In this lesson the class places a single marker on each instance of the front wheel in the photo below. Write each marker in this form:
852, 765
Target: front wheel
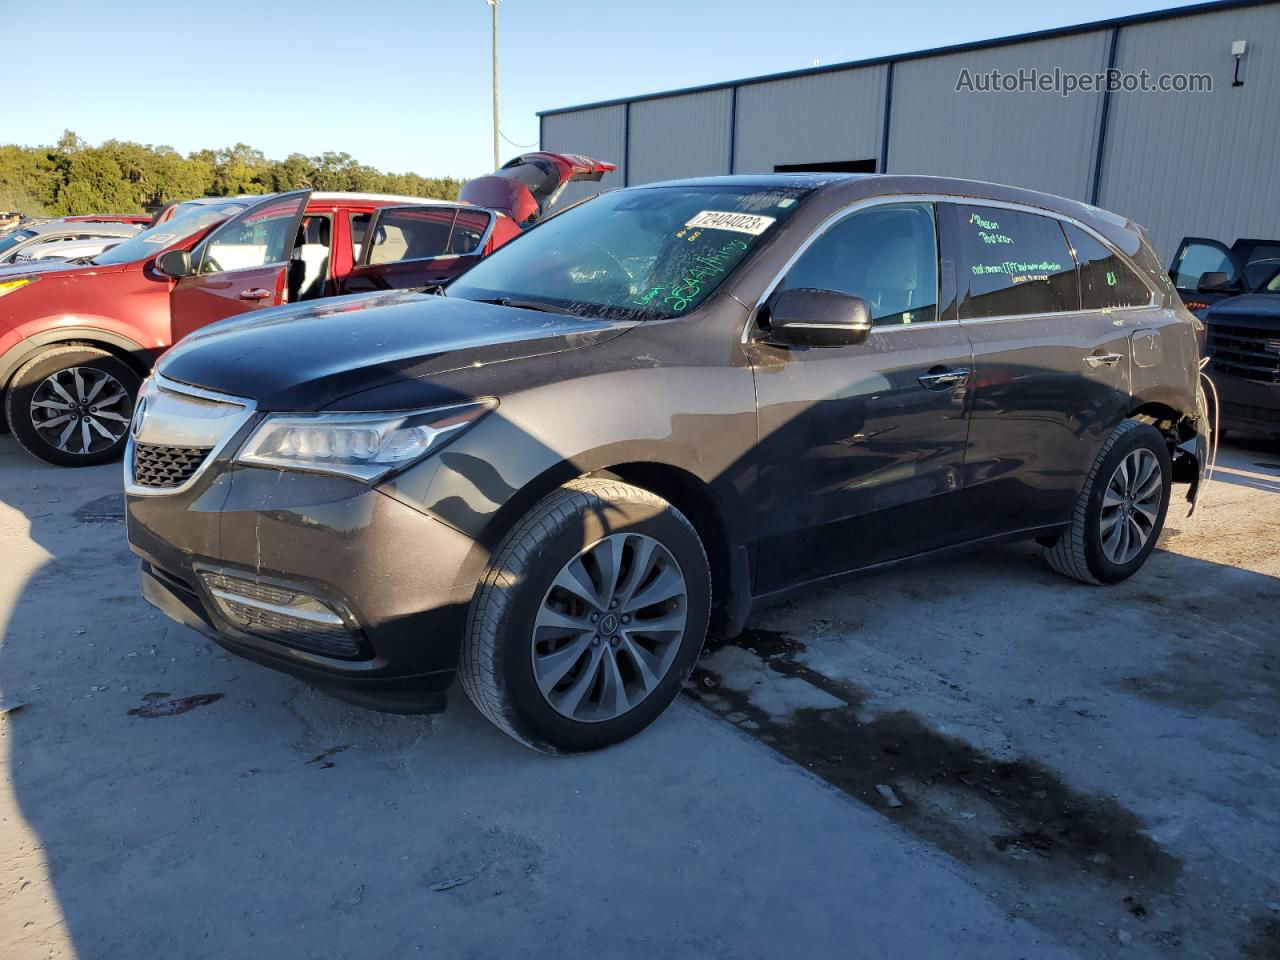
71, 406
1120, 512
590, 618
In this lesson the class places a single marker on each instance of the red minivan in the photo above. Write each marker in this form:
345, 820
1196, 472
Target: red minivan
77, 338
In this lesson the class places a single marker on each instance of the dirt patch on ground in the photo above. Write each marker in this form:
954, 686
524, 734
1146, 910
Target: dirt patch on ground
1016, 815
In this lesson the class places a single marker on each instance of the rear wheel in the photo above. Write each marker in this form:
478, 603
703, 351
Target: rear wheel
1121, 510
71, 406
590, 618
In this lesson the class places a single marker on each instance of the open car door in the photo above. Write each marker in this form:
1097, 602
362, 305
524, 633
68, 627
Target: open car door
527, 187
242, 265
417, 245
1204, 271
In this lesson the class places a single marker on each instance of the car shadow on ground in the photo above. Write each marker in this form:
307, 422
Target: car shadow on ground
246, 814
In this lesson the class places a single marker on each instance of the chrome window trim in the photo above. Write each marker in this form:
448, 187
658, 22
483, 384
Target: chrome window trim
173, 386
1103, 311
870, 202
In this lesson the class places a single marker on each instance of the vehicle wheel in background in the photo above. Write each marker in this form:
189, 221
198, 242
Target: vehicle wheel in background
1121, 510
71, 406
591, 616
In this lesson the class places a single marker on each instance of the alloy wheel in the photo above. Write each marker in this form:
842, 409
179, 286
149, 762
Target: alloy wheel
1131, 506
609, 627
81, 410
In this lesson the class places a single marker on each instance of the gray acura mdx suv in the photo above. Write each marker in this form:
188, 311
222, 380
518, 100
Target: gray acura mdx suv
649, 413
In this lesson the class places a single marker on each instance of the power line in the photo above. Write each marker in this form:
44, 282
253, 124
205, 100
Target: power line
522, 146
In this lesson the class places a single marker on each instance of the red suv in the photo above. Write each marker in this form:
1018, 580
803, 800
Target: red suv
77, 338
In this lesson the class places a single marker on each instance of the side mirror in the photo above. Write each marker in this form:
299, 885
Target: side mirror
818, 318
175, 263
1215, 281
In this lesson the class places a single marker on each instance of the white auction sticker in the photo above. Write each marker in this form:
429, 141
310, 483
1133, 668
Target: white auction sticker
160, 238
728, 220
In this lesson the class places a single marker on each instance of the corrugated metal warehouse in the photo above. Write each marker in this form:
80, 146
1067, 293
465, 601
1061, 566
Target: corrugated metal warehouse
1181, 163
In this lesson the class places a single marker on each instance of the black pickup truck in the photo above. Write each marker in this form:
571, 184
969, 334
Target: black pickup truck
1236, 291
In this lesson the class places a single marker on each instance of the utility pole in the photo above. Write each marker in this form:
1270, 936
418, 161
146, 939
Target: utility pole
497, 161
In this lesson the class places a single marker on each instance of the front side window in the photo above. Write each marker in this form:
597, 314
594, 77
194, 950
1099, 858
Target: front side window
646, 253
359, 227
195, 219
886, 255
1012, 264
263, 234
1106, 281
1198, 258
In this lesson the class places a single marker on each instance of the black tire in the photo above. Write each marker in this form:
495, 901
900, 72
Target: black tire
28, 381
497, 669
1079, 553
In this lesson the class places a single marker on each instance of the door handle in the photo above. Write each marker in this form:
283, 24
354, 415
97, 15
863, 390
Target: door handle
940, 377
1103, 359
255, 294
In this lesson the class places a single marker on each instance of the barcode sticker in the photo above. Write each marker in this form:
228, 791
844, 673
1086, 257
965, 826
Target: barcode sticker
728, 220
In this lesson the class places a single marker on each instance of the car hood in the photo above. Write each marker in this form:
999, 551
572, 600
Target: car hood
11, 271
310, 356
1258, 306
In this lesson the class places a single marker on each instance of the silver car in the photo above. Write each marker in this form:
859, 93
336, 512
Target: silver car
60, 238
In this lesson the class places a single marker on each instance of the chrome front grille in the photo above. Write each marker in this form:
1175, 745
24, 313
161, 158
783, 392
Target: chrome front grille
160, 467
1252, 353
177, 431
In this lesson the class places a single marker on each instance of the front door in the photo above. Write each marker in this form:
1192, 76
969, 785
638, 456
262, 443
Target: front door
862, 446
1200, 260
417, 246
1052, 380
241, 266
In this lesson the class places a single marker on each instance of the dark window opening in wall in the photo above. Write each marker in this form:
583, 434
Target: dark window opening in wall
831, 166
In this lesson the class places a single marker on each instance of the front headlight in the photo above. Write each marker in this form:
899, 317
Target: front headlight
366, 446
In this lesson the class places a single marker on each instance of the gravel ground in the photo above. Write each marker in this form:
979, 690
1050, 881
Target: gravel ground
973, 758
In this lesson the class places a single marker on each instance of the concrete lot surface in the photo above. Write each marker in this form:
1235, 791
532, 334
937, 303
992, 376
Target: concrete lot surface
971, 758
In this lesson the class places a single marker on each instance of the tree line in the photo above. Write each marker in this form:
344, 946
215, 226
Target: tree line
73, 177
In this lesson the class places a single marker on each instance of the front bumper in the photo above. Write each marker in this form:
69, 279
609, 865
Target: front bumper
1247, 404
397, 581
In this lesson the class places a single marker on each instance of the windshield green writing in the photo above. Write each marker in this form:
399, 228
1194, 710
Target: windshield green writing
685, 290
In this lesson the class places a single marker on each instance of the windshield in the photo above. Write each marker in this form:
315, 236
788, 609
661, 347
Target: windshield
633, 254
11, 240
186, 223
1266, 273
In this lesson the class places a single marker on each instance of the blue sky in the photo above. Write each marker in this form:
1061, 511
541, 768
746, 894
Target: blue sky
404, 84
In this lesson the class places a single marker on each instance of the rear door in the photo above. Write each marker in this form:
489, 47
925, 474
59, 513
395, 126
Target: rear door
243, 265
416, 246
1051, 379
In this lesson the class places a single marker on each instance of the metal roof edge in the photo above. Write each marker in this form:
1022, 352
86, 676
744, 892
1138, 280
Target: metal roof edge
1170, 13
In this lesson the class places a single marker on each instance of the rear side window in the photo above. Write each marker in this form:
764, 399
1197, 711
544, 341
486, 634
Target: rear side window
887, 255
1106, 281
468, 231
1012, 264
424, 232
